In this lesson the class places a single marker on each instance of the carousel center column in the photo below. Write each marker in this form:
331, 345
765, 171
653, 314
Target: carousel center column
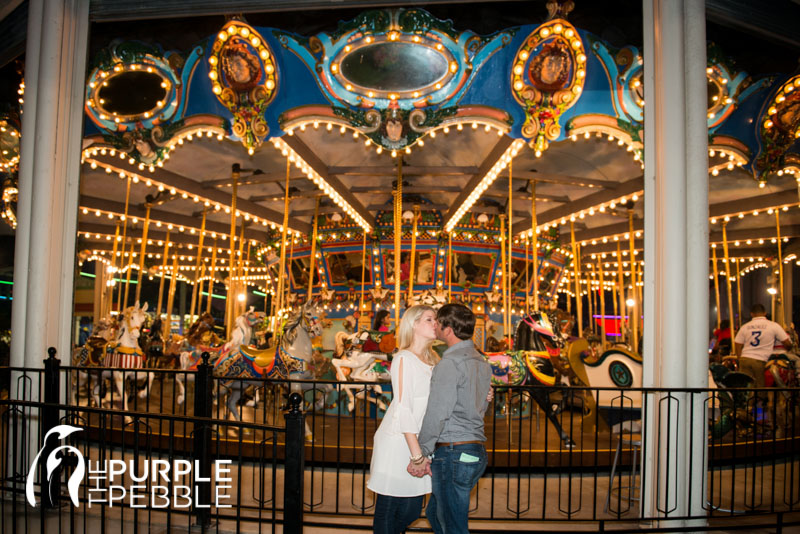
676, 258
44, 263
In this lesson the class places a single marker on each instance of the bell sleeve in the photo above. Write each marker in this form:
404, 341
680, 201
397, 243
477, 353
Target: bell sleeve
403, 387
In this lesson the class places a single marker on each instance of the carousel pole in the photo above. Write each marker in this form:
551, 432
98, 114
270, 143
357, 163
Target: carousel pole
288, 283
509, 242
163, 274
363, 271
196, 290
398, 232
114, 269
173, 284
527, 276
231, 296
213, 276
602, 303
413, 253
634, 290
780, 314
738, 294
128, 276
621, 290
534, 247
313, 258
576, 264
124, 222
238, 306
590, 294
142, 251
503, 291
449, 266
727, 274
715, 274
284, 228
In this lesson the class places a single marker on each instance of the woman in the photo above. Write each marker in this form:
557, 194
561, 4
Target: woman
381, 323
399, 495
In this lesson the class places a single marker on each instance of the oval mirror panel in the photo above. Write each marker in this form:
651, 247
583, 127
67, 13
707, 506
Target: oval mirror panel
131, 93
394, 66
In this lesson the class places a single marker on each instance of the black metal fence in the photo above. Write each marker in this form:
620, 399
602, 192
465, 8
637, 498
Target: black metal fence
624, 458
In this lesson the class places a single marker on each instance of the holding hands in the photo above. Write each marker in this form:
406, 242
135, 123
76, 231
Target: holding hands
419, 468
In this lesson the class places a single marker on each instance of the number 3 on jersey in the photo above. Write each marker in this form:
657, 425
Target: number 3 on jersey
757, 339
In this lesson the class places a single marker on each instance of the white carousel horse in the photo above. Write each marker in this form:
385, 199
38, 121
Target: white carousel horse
242, 334
125, 352
92, 355
361, 365
289, 359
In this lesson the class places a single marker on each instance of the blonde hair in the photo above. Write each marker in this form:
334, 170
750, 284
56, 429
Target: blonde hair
405, 333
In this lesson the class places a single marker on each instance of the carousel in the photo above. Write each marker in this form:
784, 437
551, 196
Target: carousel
278, 200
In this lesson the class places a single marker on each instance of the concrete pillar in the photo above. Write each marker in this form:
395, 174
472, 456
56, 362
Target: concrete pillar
44, 264
676, 256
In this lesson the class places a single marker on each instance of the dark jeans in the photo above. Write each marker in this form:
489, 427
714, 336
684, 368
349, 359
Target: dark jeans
456, 470
394, 514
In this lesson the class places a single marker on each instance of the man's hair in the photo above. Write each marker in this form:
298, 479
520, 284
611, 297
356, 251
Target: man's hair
758, 309
459, 318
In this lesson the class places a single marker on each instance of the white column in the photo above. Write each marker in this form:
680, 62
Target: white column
44, 265
676, 254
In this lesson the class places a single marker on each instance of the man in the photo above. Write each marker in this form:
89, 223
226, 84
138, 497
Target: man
755, 341
452, 430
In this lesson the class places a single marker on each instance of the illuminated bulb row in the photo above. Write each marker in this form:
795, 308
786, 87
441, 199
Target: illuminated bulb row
755, 213
320, 182
485, 182
599, 132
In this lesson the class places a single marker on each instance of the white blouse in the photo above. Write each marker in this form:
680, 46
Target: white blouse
411, 382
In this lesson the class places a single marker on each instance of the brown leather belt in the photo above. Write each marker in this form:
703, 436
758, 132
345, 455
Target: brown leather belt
454, 443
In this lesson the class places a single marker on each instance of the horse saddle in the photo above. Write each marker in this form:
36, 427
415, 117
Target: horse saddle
260, 357
540, 367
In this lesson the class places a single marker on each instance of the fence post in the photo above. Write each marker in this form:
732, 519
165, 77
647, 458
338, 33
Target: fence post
202, 441
52, 489
294, 466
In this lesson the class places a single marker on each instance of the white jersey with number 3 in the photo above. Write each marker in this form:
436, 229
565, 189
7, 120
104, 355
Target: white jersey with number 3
758, 338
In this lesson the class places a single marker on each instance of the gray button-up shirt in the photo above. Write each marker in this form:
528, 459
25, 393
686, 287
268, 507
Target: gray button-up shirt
459, 386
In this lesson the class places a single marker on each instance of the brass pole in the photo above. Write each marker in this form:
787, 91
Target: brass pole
509, 256
781, 306
128, 276
363, 271
412, 261
142, 252
196, 290
715, 274
728, 275
634, 291
398, 232
213, 275
171, 294
527, 277
313, 258
590, 291
238, 307
282, 262
163, 274
231, 295
124, 240
602, 303
576, 264
535, 247
114, 266
503, 275
738, 294
621, 290
288, 284
449, 267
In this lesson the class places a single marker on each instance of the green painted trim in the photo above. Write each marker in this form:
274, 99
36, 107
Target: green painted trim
203, 293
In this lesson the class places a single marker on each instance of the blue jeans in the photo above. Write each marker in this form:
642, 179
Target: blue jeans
456, 470
394, 514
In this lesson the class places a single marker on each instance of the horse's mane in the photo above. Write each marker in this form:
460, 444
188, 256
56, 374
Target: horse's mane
290, 330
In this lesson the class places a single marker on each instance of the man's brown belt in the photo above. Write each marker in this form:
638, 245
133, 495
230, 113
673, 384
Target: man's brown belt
454, 443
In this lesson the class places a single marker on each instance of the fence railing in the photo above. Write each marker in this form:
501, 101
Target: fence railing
621, 455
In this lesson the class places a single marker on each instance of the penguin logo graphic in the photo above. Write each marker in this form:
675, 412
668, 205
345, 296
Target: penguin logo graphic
74, 482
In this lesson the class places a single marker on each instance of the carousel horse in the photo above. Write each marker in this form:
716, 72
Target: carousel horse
160, 353
125, 352
92, 354
357, 354
202, 332
532, 364
249, 366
